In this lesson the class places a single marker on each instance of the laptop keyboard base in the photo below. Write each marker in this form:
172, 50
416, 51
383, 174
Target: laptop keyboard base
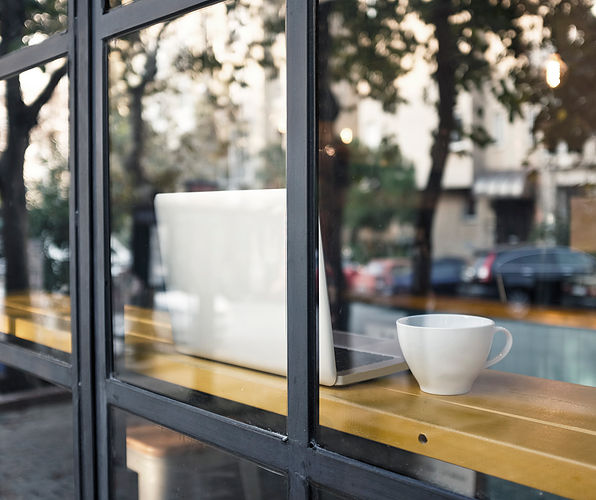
346, 359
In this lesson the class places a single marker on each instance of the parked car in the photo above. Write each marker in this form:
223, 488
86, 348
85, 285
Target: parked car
376, 276
445, 276
351, 271
528, 274
580, 291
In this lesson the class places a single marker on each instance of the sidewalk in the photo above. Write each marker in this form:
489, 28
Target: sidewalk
36, 451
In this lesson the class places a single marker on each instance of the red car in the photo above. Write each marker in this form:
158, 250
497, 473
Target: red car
377, 276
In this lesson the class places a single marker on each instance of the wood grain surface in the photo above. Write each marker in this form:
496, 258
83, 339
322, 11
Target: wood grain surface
537, 432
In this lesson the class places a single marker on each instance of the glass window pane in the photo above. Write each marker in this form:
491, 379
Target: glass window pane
30, 22
34, 201
36, 436
149, 461
455, 178
196, 124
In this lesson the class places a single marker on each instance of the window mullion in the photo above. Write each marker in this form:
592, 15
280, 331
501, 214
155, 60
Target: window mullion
301, 237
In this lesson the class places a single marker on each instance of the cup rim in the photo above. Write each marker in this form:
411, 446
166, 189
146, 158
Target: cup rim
483, 323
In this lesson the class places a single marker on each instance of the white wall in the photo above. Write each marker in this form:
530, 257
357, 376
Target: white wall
455, 233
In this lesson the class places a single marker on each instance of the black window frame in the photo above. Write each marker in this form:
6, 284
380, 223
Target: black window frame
88, 375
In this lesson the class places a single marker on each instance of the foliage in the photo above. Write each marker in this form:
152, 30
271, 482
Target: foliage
379, 42
568, 112
155, 68
40, 18
273, 172
48, 222
380, 193
557, 233
495, 46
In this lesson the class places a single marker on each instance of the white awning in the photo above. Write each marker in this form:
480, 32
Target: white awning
504, 184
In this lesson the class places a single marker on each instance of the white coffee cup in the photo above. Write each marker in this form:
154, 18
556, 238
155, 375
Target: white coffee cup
446, 352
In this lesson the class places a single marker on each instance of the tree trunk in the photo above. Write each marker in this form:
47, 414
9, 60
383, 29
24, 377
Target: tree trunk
427, 204
134, 164
333, 182
12, 191
15, 226
142, 211
333, 176
137, 139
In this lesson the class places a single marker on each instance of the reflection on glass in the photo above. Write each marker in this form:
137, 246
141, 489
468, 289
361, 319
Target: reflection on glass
152, 462
320, 493
197, 123
455, 176
117, 3
36, 432
34, 194
29, 23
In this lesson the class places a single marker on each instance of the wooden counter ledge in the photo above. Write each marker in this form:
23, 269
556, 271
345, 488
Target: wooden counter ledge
537, 432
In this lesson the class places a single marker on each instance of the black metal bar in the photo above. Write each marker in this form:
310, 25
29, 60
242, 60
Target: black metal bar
302, 238
28, 57
253, 443
101, 238
137, 15
76, 354
39, 364
363, 481
81, 252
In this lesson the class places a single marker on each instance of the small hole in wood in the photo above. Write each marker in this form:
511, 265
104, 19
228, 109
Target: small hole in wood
422, 438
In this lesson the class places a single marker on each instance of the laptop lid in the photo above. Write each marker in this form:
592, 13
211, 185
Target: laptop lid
224, 254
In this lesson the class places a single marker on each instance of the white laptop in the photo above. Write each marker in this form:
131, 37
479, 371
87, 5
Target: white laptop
224, 256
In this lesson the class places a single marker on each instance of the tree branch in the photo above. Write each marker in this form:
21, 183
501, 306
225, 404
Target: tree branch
46, 93
151, 62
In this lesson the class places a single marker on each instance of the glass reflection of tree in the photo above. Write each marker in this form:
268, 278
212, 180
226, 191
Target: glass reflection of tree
48, 218
378, 195
486, 46
568, 112
156, 76
273, 172
20, 21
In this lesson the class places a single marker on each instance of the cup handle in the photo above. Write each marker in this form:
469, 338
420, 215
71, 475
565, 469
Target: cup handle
505, 349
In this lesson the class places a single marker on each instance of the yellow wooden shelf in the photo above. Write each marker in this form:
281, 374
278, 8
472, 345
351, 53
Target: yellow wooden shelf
536, 432
43, 319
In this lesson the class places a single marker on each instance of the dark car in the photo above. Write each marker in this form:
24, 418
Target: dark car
445, 276
529, 274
